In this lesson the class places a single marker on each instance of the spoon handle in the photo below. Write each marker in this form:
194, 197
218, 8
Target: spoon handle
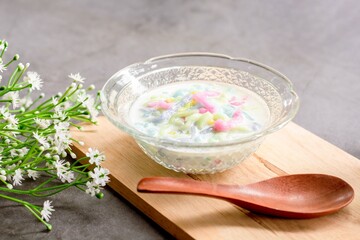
176, 185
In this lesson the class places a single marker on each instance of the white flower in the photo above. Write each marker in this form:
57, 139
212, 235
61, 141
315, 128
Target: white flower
9, 168
11, 119
46, 211
69, 176
17, 178
90, 105
14, 97
19, 152
3, 175
60, 115
63, 171
62, 138
54, 101
4, 111
12, 122
82, 97
42, 140
33, 174
2, 47
61, 126
12, 127
34, 79
26, 101
2, 67
42, 123
59, 108
100, 176
92, 188
60, 112
95, 156
13, 153
23, 151
49, 164
76, 77
67, 105
57, 144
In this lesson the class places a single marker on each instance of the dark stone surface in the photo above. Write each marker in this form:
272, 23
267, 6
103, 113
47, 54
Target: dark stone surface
315, 43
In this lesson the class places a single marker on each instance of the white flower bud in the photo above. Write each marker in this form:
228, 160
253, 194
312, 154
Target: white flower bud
27, 65
91, 87
21, 66
59, 94
56, 157
37, 112
73, 85
7, 141
73, 155
9, 186
42, 95
2, 172
3, 178
81, 143
63, 154
80, 86
47, 155
41, 148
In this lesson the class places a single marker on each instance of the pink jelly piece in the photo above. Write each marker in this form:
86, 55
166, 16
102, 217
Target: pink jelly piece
159, 105
235, 102
221, 126
202, 98
203, 110
238, 116
224, 126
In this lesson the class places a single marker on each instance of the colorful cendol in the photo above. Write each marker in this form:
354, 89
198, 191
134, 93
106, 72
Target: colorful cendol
199, 112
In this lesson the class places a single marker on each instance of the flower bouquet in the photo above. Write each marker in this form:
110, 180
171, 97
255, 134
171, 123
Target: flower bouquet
35, 138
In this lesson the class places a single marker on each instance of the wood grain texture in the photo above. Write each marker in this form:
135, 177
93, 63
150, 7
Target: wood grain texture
288, 151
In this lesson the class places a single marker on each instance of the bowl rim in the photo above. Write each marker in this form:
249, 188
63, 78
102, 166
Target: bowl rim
138, 135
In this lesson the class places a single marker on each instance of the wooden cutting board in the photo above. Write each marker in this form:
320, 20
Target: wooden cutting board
288, 151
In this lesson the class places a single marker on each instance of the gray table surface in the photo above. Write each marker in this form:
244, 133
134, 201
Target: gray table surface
315, 43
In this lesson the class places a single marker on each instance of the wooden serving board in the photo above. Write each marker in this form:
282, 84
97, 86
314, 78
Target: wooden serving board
288, 151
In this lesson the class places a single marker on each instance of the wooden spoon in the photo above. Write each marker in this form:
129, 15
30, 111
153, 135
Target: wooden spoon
290, 196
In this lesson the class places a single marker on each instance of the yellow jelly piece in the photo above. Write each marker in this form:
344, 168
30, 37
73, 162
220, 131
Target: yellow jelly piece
211, 122
219, 116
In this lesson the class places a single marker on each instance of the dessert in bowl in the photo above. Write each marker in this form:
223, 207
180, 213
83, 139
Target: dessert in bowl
199, 112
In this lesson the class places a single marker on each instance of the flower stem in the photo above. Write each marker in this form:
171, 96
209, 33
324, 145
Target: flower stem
48, 226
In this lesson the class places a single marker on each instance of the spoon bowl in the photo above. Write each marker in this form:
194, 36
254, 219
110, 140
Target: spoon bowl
289, 196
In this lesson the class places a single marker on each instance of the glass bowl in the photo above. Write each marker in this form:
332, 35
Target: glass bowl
125, 86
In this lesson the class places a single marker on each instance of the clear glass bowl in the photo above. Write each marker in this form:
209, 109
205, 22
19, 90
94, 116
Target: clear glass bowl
123, 88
